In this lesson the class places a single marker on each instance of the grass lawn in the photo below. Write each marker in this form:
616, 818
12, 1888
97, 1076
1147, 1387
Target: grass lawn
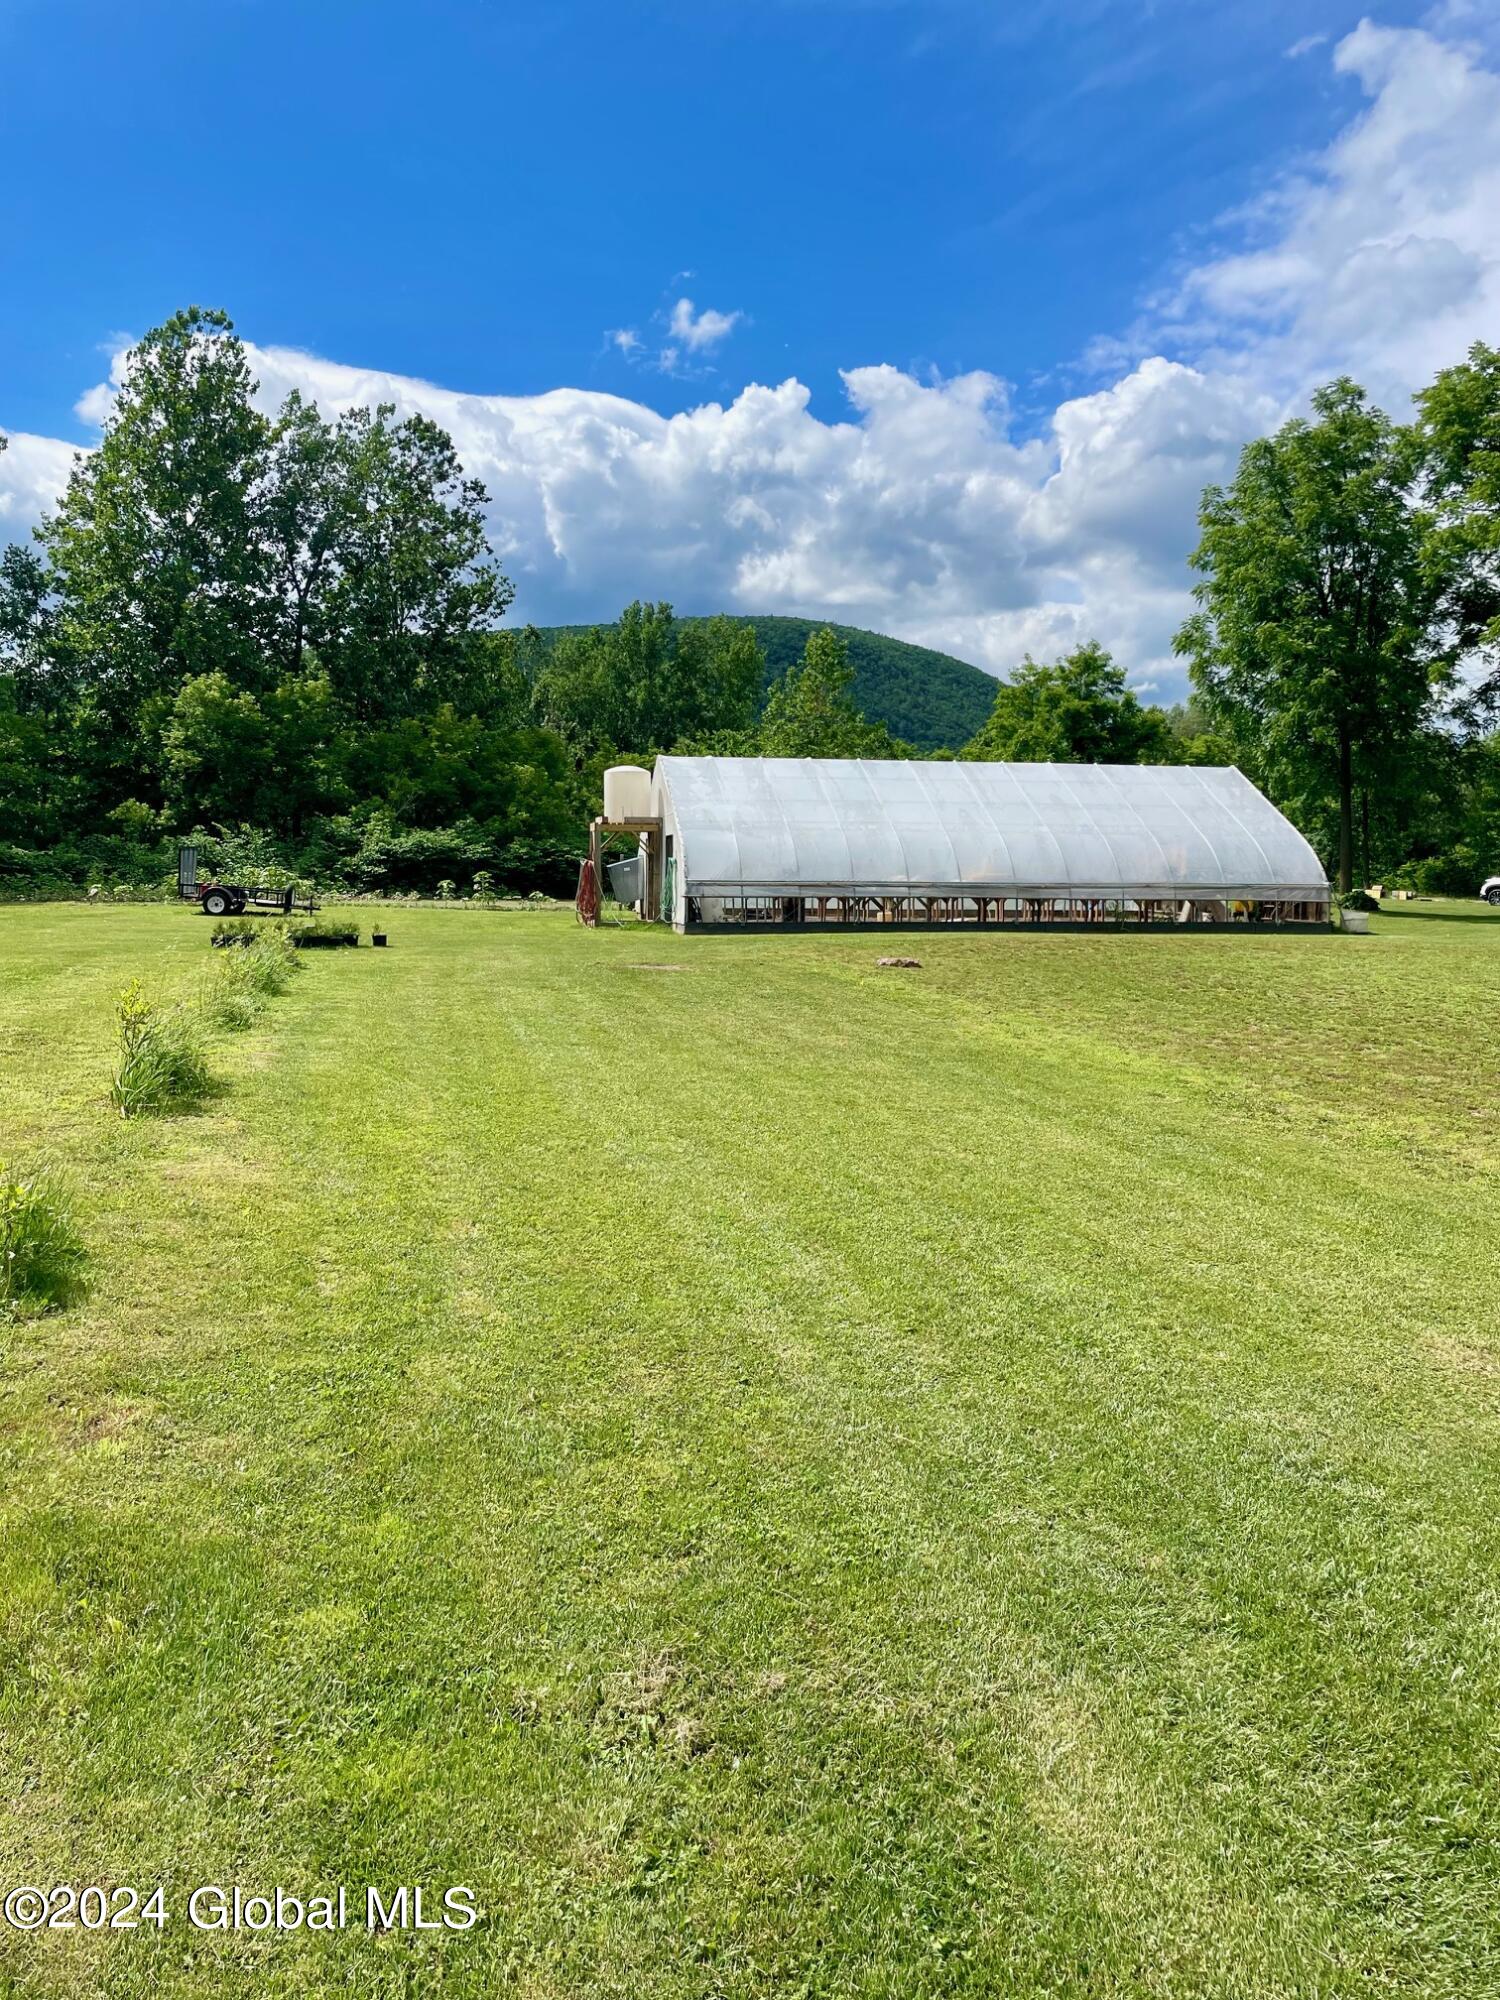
785, 1478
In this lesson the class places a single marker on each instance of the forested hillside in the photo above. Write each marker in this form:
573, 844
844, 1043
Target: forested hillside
928, 699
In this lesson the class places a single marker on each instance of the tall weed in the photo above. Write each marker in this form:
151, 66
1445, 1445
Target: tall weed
263, 952
41, 1252
229, 994
162, 1063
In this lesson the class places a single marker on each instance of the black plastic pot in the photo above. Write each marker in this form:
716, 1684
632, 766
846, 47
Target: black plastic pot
377, 937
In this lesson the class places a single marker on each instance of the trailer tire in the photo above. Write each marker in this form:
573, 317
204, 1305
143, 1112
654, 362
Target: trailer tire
217, 903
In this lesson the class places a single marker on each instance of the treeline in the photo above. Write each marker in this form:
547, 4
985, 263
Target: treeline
282, 635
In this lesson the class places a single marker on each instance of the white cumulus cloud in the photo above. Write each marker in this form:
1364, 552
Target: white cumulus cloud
33, 471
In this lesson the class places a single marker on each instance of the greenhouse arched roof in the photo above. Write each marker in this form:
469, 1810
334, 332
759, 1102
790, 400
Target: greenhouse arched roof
815, 825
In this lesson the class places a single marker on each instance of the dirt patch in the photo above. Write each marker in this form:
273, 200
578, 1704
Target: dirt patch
114, 1418
1467, 1360
649, 1707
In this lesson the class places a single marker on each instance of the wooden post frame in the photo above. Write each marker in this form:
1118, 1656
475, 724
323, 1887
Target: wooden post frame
602, 830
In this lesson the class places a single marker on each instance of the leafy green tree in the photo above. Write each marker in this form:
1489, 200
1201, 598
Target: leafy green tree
1195, 740
495, 676
26, 790
156, 558
717, 672
926, 699
28, 630
202, 538
810, 711
263, 760
1077, 710
1313, 641
650, 680
378, 561
1458, 432
579, 692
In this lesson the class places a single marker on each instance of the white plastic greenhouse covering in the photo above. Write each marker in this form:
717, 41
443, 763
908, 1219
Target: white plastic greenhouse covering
829, 826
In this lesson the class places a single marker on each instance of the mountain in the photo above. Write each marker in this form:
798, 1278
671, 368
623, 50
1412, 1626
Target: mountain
928, 699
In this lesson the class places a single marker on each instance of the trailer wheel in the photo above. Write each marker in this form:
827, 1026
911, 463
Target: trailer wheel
217, 903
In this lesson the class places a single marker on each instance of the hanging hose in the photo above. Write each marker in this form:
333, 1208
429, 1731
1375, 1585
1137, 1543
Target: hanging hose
586, 902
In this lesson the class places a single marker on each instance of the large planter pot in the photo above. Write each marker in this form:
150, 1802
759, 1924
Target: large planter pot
1356, 922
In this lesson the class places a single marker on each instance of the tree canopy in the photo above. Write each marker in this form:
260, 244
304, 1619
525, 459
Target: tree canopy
1458, 439
649, 680
1313, 643
1077, 710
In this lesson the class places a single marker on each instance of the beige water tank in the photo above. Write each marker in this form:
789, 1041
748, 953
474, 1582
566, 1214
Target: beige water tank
627, 792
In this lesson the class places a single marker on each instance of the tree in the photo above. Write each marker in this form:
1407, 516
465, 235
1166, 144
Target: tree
28, 629
1313, 641
154, 548
810, 711
1078, 710
1195, 740
716, 679
1458, 432
650, 680
377, 558
28, 776
260, 760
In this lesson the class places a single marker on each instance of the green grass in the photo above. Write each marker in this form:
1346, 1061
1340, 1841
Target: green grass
786, 1477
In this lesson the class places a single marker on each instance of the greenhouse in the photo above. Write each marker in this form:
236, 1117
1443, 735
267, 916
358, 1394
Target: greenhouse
729, 843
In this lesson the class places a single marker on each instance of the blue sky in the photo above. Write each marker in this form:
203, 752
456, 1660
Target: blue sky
473, 193
511, 200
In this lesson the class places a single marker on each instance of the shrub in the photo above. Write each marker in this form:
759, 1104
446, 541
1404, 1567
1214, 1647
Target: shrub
1459, 872
162, 1064
41, 1252
484, 885
446, 890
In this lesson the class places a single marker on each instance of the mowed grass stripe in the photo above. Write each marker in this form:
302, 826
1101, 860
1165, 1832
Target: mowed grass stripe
807, 1485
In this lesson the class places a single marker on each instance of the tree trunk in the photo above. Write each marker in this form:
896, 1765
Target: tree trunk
1366, 873
1346, 814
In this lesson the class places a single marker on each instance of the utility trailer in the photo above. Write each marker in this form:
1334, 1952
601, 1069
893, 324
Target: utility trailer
233, 899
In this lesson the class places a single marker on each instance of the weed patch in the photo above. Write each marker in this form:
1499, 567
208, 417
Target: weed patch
41, 1251
229, 994
162, 1065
